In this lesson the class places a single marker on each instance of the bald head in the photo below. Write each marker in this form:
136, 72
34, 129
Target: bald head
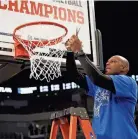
124, 62
117, 65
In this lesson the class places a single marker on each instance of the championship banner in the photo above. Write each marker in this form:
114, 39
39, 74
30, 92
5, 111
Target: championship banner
70, 13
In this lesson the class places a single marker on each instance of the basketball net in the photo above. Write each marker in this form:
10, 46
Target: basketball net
45, 55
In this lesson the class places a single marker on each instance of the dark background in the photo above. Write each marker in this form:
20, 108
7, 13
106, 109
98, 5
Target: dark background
118, 23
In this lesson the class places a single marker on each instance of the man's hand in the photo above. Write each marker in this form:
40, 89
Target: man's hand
74, 44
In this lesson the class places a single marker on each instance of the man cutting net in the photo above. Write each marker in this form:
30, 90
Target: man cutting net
115, 93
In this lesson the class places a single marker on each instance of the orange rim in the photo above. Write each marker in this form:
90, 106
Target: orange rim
45, 42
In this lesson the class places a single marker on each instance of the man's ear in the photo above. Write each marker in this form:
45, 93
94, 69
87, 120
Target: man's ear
124, 68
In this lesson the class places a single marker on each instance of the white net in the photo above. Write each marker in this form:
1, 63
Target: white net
45, 59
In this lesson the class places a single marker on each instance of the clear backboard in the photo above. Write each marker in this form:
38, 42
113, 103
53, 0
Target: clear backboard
71, 14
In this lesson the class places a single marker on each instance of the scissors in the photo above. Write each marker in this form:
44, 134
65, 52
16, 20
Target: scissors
77, 32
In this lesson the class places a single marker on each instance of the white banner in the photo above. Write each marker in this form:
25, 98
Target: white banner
70, 13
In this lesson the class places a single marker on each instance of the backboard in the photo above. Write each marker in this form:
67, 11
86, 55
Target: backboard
70, 13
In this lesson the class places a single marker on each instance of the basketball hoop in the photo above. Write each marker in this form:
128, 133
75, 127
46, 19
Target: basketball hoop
45, 51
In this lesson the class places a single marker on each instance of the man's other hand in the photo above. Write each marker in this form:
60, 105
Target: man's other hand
74, 44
